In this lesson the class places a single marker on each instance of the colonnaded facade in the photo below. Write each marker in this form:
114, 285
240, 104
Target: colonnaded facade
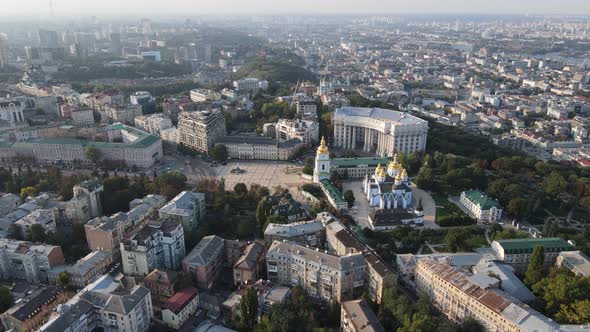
377, 130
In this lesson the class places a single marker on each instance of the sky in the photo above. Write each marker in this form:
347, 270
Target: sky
261, 7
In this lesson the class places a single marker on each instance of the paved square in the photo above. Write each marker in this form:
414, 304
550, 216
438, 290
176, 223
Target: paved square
265, 173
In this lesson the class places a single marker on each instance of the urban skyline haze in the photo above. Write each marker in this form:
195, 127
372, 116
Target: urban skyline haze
131, 7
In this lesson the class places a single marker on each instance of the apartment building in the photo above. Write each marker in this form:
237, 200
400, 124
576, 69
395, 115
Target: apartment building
306, 131
161, 284
85, 269
322, 275
307, 108
205, 261
153, 123
357, 316
8, 203
307, 233
106, 233
83, 117
106, 304
86, 203
202, 95
458, 296
251, 84
28, 261
250, 264
517, 252
200, 130
481, 206
179, 308
123, 113
187, 208
30, 313
342, 241
153, 246
42, 217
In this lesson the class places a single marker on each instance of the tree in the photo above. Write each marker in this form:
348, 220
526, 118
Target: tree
534, 272
264, 325
307, 170
5, 299
28, 192
63, 278
577, 312
349, 197
37, 233
219, 152
240, 189
470, 324
183, 280
561, 288
554, 184
249, 310
455, 240
424, 180
92, 153
518, 207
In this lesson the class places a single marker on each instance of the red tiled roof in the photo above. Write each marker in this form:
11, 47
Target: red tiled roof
177, 302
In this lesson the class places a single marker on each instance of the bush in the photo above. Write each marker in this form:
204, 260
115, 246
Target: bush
453, 221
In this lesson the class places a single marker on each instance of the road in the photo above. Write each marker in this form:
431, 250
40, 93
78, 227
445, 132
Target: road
428, 204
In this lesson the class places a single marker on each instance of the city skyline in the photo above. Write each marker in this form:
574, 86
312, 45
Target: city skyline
268, 7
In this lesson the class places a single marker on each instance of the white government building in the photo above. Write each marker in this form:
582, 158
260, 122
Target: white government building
378, 130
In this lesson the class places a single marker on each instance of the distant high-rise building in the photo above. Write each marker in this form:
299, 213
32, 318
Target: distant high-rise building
3, 50
48, 38
115, 45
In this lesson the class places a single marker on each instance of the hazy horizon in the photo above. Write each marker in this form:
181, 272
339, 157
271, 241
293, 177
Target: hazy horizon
270, 7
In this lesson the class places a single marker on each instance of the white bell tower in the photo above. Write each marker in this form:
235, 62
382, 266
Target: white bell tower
322, 163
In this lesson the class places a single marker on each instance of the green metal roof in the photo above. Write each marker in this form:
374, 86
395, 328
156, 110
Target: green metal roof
333, 191
143, 140
481, 199
355, 162
551, 244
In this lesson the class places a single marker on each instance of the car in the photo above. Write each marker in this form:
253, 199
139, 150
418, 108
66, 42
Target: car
224, 163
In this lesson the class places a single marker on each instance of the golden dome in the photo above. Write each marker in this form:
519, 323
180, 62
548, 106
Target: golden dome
394, 164
398, 176
379, 171
323, 148
404, 174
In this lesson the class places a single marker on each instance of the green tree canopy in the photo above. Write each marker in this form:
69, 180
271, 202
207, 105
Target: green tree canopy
249, 310
534, 272
37, 233
349, 197
5, 299
28, 192
92, 153
219, 152
63, 278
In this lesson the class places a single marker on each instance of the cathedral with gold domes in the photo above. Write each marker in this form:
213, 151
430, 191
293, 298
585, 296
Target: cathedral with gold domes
388, 188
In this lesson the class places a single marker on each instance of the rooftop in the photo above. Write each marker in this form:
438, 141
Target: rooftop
205, 251
361, 316
334, 193
294, 229
549, 243
357, 162
315, 255
481, 199
184, 203
179, 300
379, 114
